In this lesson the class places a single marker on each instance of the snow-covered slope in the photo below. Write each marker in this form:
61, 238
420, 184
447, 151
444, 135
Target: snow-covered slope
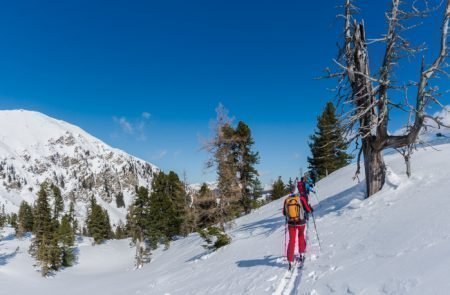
35, 148
397, 242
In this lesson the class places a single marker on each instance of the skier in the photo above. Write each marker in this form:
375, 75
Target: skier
294, 210
305, 188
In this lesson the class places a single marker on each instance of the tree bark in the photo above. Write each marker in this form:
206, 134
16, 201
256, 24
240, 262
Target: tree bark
374, 167
408, 165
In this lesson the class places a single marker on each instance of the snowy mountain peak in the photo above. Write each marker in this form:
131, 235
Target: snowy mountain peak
35, 148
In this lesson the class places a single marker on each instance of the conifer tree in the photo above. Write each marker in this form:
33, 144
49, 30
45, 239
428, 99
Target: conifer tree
3, 217
278, 189
13, 220
222, 148
139, 225
67, 240
72, 219
44, 246
167, 208
257, 192
98, 225
24, 219
246, 160
328, 145
58, 203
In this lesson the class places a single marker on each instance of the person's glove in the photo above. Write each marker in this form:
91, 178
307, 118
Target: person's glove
312, 209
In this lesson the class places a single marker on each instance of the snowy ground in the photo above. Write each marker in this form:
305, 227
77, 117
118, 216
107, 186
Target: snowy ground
397, 242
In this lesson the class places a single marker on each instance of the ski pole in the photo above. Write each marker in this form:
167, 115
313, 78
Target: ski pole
315, 227
285, 234
317, 198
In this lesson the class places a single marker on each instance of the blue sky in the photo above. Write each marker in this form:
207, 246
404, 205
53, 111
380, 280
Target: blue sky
146, 76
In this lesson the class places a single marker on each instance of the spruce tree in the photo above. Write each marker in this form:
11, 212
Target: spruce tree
58, 203
328, 145
139, 225
246, 161
72, 218
3, 217
24, 219
67, 240
13, 220
257, 192
98, 225
278, 189
167, 208
44, 246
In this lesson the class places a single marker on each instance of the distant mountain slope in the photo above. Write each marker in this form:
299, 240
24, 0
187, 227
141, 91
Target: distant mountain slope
35, 148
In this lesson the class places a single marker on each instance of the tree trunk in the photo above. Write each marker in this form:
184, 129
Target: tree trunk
375, 168
408, 165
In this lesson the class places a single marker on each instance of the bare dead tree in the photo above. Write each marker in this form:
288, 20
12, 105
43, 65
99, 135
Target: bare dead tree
367, 97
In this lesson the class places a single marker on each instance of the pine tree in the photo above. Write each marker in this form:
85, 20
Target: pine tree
328, 145
278, 189
222, 148
67, 240
72, 219
167, 208
24, 219
58, 203
98, 225
246, 161
257, 192
3, 217
138, 225
13, 220
44, 246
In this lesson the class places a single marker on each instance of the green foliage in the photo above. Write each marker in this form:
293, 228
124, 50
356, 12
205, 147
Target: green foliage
98, 225
328, 145
72, 218
214, 237
66, 232
167, 208
24, 219
246, 159
58, 203
206, 206
3, 216
67, 240
44, 246
139, 225
157, 217
278, 189
121, 231
13, 220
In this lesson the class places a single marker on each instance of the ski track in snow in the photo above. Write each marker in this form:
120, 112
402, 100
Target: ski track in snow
290, 282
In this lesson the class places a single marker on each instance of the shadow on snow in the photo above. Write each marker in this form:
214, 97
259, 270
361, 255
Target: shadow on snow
272, 261
340, 200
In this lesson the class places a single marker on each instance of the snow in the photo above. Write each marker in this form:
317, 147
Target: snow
31, 141
396, 242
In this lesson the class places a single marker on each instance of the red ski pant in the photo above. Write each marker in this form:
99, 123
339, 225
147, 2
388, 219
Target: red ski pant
294, 232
